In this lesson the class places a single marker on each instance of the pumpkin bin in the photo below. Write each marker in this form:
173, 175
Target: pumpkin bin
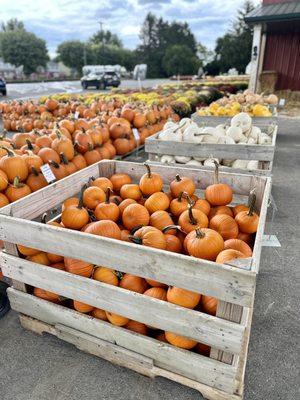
188, 276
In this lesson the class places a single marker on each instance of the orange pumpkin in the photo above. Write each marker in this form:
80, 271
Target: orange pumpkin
137, 327
182, 184
183, 297
116, 319
133, 283
150, 182
78, 267
225, 225
135, 215
118, 180
157, 201
180, 341
82, 307
106, 275
204, 243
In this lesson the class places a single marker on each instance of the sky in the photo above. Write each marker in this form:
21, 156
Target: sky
58, 20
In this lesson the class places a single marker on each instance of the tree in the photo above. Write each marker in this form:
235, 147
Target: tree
157, 36
233, 50
73, 54
106, 38
20, 47
179, 59
12, 25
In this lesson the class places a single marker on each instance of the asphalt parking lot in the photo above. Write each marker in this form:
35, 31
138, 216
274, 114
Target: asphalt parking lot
44, 368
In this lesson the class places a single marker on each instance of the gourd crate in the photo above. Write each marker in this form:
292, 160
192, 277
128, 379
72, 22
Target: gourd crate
156, 147
219, 376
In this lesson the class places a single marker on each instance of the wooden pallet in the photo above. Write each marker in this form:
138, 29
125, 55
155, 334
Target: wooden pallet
156, 147
219, 376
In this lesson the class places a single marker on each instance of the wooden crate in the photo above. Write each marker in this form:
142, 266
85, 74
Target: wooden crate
219, 376
263, 153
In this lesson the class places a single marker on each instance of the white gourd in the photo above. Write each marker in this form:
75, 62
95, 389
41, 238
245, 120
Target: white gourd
225, 140
166, 159
189, 133
263, 138
242, 120
210, 162
194, 162
200, 159
251, 141
184, 123
235, 132
253, 164
221, 129
167, 134
240, 164
255, 132
170, 124
209, 139
182, 159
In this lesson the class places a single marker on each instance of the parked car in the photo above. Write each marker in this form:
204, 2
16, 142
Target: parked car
101, 80
3, 86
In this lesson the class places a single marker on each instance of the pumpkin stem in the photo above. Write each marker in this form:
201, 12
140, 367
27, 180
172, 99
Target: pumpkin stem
16, 182
10, 153
90, 147
136, 228
29, 144
148, 169
193, 220
199, 233
108, 192
251, 201
54, 164
135, 239
190, 201
180, 196
170, 227
80, 203
34, 171
91, 179
44, 218
58, 133
216, 177
178, 179
92, 215
119, 274
64, 158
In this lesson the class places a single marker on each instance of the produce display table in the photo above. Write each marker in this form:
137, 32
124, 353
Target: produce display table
218, 377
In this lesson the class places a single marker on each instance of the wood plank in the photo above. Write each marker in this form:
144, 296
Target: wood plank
193, 366
202, 327
222, 281
228, 151
106, 350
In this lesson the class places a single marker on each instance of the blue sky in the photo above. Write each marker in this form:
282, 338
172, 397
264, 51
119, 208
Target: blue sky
59, 20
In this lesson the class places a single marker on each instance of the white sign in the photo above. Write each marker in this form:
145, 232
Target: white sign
281, 102
48, 174
136, 134
76, 115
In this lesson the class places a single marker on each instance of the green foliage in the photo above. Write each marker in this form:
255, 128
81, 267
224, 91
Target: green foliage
12, 25
233, 50
157, 36
20, 47
106, 38
71, 53
180, 59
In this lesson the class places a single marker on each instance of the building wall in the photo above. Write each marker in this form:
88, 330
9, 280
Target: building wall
266, 2
282, 54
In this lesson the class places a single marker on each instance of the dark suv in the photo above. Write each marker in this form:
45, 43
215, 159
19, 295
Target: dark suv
2, 86
100, 80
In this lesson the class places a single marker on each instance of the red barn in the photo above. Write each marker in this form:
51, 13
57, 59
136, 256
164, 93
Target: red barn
276, 43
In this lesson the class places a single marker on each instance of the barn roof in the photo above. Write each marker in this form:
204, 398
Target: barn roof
275, 12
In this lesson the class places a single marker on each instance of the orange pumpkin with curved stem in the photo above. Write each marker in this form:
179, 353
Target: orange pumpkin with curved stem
239, 245
150, 237
92, 196
133, 283
17, 190
157, 201
32, 160
178, 205
225, 225
70, 167
75, 217
182, 184
204, 243
63, 145
36, 180
150, 182
218, 194
107, 210
59, 170
118, 180
192, 219
78, 267
13, 165
106, 275
104, 228
248, 220
180, 341
82, 142
160, 220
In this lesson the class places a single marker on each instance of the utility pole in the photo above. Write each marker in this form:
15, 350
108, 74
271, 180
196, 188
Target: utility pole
101, 30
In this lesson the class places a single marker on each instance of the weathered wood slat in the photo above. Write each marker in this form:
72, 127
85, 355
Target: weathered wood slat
222, 281
204, 328
191, 365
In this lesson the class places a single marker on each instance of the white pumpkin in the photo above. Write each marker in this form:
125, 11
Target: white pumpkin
253, 164
255, 132
251, 141
194, 162
170, 124
210, 162
263, 138
200, 159
225, 140
242, 164
184, 123
166, 159
235, 132
209, 139
189, 133
182, 159
242, 120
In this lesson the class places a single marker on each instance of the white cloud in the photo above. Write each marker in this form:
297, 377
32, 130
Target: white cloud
59, 20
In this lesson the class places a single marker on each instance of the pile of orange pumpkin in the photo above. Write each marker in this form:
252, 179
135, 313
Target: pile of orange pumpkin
69, 144
176, 221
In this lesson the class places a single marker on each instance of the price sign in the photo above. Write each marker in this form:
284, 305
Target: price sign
48, 174
281, 102
76, 115
136, 134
